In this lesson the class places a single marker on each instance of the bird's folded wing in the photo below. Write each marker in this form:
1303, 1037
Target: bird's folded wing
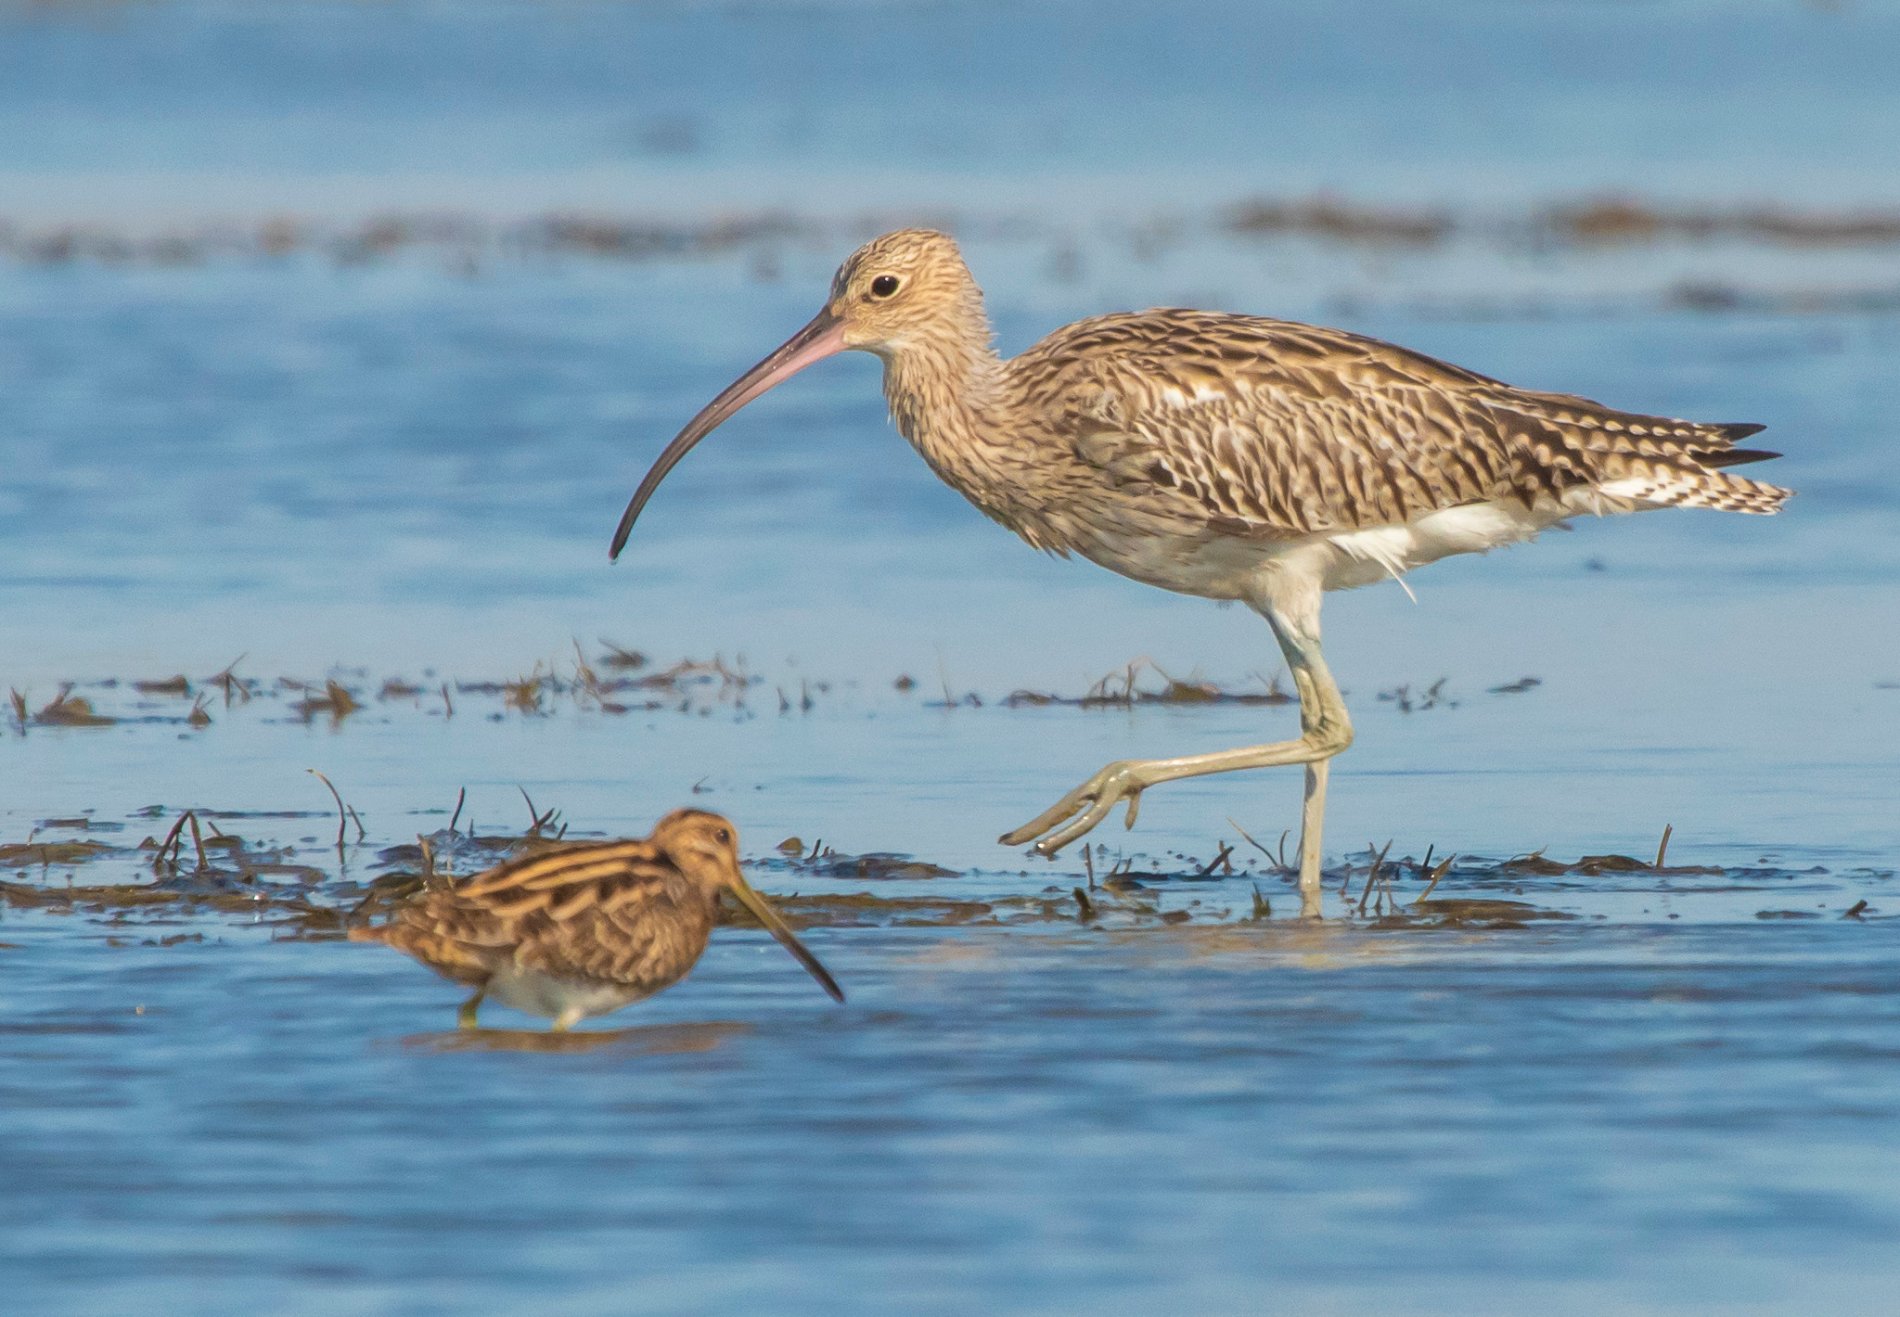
543, 912
588, 911
1279, 429
620, 933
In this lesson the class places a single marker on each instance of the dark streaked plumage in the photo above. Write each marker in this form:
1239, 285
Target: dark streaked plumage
586, 929
1280, 430
1232, 457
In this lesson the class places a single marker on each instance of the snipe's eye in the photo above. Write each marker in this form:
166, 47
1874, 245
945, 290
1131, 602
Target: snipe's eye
723, 836
884, 285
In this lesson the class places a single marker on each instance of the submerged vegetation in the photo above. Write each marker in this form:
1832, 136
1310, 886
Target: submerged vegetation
615, 683
1611, 219
762, 241
203, 863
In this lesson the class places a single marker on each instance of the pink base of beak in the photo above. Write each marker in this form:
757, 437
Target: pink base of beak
823, 337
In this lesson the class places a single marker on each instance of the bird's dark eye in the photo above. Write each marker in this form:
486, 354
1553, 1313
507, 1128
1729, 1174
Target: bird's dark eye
723, 836
884, 285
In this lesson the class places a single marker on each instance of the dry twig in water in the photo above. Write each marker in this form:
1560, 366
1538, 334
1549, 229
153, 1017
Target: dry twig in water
1444, 867
342, 811
1372, 877
1280, 866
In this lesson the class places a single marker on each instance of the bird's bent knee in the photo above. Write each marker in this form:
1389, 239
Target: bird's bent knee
1331, 738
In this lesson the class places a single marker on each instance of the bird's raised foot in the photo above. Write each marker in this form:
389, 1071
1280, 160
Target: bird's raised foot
1083, 808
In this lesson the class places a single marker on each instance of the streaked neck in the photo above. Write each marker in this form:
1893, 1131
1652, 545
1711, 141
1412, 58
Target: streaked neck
945, 391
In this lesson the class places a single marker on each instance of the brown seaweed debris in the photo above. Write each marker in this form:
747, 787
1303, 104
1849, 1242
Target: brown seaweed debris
824, 862
471, 241
731, 680
1481, 912
178, 685
1339, 221
523, 694
1590, 866
621, 659
225, 874
1432, 697
1517, 687
223, 859
335, 700
121, 899
858, 910
45, 854
1121, 690
1376, 872
1622, 220
878, 866
66, 710
235, 688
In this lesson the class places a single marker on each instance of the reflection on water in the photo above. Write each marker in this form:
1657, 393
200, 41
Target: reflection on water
640, 1040
1621, 1116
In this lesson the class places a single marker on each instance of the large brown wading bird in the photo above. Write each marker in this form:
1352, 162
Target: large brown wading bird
1231, 457
585, 930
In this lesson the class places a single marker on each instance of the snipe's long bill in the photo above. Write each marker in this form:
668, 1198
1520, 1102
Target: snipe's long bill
585, 930
1232, 457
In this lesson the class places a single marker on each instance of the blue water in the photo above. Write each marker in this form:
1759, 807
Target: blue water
407, 464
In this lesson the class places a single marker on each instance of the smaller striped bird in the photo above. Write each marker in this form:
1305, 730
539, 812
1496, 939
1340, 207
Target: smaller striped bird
586, 929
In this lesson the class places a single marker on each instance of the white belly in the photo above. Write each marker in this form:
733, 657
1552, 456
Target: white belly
1217, 566
1363, 557
551, 997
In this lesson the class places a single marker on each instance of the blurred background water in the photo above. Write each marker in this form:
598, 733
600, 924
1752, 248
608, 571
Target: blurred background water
336, 336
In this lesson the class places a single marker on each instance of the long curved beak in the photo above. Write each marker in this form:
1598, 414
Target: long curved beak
766, 915
822, 338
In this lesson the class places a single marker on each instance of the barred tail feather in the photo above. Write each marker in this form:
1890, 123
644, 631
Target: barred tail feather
1689, 488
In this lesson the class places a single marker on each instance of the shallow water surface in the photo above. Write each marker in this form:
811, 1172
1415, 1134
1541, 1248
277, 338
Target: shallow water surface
1606, 1115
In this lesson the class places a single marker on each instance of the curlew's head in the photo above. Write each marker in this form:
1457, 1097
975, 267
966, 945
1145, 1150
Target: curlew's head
898, 288
705, 847
889, 295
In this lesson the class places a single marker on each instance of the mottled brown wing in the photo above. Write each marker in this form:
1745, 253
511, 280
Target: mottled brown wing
635, 933
438, 932
613, 912
1281, 429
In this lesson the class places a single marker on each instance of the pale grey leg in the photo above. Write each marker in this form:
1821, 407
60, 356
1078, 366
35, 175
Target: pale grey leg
1326, 729
1312, 827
